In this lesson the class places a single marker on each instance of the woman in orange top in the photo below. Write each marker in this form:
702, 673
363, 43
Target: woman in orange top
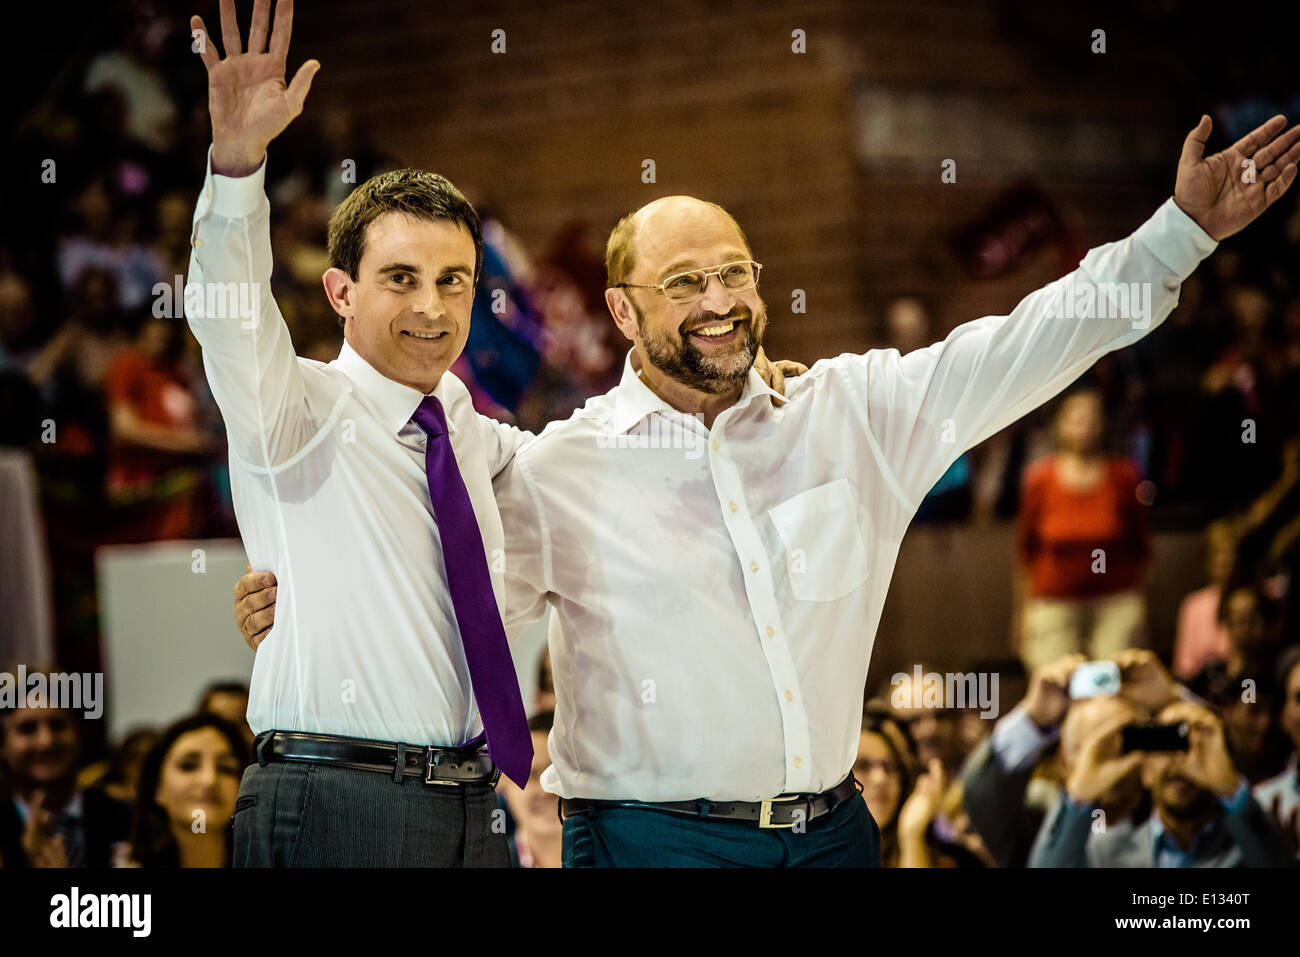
155, 470
1082, 544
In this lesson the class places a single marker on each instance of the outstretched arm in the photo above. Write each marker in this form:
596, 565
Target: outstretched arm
929, 406
247, 353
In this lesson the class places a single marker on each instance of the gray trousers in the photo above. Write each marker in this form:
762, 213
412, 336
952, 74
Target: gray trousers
294, 814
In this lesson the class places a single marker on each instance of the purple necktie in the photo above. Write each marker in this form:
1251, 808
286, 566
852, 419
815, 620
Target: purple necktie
491, 669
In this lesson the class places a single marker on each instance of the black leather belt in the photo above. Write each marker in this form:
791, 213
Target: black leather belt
787, 810
446, 766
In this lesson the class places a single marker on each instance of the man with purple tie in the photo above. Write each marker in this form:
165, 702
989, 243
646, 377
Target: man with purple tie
370, 749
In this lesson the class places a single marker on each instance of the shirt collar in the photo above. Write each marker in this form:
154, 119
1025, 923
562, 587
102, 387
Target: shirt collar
1162, 839
391, 401
634, 400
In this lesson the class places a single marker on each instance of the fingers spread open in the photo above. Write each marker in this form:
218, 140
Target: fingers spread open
207, 52
1194, 144
301, 83
257, 30
1277, 148
1274, 190
230, 30
1260, 135
279, 47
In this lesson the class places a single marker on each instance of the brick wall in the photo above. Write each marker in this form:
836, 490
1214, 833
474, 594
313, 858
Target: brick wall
557, 128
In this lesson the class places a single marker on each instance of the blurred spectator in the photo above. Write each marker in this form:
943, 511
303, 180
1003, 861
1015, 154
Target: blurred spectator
17, 317
1010, 780
1241, 423
229, 700
1201, 637
1098, 778
904, 801
1269, 550
582, 351
186, 798
131, 72
933, 732
1248, 702
1082, 544
545, 700
106, 238
154, 476
89, 339
1204, 813
1280, 795
45, 819
18, 397
908, 327
1249, 618
118, 775
536, 811
171, 245
885, 770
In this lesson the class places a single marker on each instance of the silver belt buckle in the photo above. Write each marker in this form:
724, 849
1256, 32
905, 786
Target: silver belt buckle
431, 762
765, 812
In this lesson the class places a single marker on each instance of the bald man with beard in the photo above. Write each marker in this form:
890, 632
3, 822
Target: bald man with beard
1103, 787
1204, 814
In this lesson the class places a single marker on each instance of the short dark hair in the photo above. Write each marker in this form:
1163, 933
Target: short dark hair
417, 193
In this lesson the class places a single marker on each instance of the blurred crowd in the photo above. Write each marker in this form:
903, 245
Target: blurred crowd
1048, 777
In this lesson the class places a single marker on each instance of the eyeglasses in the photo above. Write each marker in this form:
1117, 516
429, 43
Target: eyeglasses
686, 286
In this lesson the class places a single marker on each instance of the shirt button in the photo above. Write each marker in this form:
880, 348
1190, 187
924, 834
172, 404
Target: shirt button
753, 566
770, 631
789, 695
198, 242
798, 762
732, 506
715, 445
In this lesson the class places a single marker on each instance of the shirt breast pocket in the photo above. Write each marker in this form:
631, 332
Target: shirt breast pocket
820, 529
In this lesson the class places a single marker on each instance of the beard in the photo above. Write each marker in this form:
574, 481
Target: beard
681, 359
1190, 807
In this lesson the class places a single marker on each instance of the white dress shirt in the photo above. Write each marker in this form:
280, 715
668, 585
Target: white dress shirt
328, 477
717, 591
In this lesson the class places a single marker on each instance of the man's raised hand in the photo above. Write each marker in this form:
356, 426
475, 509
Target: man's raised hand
1228, 190
248, 100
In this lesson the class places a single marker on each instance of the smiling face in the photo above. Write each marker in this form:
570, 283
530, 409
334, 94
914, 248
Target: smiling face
40, 746
199, 773
707, 344
407, 312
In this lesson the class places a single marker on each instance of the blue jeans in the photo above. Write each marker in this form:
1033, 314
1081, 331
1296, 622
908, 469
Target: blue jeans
643, 837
